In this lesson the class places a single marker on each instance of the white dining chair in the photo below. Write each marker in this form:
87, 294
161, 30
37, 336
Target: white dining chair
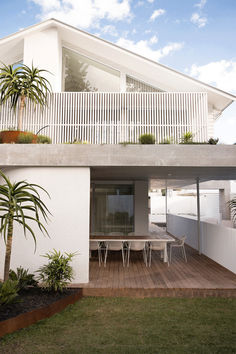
96, 246
114, 245
179, 244
155, 246
136, 246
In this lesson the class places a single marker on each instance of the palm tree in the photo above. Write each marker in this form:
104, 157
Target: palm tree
21, 83
20, 203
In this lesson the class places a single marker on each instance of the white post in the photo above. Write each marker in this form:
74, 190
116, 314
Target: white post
198, 217
166, 204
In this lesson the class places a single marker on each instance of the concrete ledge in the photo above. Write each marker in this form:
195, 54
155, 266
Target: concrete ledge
118, 155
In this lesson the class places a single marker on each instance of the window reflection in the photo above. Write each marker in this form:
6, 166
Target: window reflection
82, 74
134, 85
113, 208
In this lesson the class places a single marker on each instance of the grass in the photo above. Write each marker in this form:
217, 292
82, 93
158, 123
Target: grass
127, 325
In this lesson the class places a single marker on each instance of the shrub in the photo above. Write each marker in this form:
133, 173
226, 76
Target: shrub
23, 278
213, 141
147, 139
43, 139
8, 291
57, 273
25, 138
187, 138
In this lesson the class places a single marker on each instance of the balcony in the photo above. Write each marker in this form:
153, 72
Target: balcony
113, 118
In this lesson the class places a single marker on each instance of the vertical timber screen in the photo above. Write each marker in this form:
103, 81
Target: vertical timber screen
112, 118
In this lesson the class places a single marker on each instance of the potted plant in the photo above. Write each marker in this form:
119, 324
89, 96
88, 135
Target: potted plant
18, 85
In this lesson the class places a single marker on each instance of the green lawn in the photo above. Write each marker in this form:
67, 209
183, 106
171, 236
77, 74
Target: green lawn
126, 325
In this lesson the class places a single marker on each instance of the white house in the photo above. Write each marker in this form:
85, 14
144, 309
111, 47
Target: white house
105, 95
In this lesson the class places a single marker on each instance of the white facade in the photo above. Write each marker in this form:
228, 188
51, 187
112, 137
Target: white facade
163, 102
69, 189
171, 105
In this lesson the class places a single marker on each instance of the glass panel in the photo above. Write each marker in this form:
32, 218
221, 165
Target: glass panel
133, 85
113, 208
81, 74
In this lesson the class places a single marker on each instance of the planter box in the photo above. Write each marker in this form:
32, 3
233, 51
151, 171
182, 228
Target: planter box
11, 136
28, 318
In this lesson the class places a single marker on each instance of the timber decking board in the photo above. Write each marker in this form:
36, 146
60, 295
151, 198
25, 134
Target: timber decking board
199, 272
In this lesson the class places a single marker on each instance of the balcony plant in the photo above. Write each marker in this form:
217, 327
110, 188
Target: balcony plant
20, 203
147, 139
17, 85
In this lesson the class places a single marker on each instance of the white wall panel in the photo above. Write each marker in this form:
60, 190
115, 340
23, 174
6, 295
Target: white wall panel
69, 189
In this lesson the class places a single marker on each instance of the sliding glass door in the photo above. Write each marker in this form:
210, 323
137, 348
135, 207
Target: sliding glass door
112, 208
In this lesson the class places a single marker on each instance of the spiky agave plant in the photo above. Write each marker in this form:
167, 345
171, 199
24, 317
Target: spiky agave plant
21, 83
20, 203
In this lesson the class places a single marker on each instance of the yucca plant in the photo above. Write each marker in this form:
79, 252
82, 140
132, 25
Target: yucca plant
20, 203
56, 275
21, 83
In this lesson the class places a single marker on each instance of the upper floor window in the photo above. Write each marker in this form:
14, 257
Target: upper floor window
81, 74
134, 85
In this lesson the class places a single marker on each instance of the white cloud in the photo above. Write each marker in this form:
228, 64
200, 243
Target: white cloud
201, 4
143, 47
139, 3
153, 39
111, 30
156, 14
151, 1
198, 20
221, 74
82, 13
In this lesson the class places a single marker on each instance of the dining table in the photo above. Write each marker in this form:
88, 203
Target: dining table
162, 238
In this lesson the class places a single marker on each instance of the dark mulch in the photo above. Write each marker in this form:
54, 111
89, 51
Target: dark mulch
31, 299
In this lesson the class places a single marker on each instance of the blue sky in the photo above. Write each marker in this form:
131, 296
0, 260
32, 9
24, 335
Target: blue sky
196, 37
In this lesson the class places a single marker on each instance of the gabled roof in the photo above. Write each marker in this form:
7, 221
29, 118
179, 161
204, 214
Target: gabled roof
145, 68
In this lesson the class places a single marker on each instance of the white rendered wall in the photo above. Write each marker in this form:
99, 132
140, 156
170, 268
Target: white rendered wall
141, 207
69, 188
43, 49
217, 241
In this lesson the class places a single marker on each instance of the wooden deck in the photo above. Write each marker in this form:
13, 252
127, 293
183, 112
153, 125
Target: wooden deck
200, 276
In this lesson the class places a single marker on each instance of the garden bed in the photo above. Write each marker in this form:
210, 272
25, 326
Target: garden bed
33, 305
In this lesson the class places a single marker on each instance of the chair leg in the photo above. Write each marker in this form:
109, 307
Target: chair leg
99, 256
184, 252
105, 257
150, 256
128, 256
123, 257
145, 257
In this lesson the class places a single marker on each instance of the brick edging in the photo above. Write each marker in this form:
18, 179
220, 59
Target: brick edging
28, 318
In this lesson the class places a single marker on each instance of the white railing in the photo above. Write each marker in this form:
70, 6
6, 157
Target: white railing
111, 118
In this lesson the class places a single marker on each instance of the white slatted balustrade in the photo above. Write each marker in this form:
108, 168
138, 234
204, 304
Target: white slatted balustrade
112, 118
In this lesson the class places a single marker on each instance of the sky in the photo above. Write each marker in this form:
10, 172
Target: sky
196, 37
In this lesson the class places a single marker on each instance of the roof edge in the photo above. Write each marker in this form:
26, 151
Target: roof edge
58, 22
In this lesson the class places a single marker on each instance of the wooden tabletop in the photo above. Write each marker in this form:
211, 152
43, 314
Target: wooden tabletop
161, 238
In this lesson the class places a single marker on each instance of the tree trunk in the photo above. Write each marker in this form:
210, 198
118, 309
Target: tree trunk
22, 105
8, 248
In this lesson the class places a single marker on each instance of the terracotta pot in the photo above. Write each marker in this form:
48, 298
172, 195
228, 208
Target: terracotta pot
11, 136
